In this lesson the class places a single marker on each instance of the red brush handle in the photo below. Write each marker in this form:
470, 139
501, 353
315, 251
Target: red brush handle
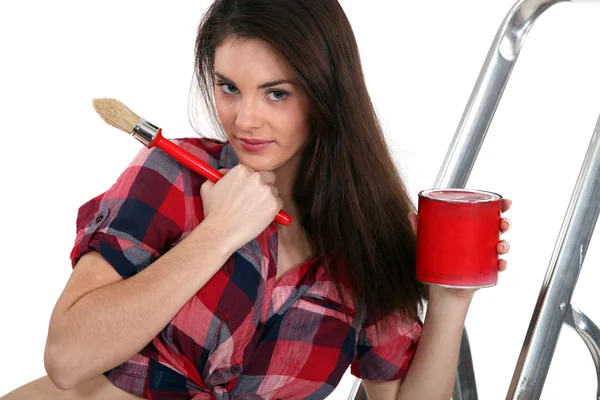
199, 166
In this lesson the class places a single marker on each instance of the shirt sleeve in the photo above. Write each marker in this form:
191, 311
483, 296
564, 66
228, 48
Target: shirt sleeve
387, 356
133, 222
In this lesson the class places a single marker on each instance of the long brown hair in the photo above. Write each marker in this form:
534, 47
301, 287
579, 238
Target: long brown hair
349, 188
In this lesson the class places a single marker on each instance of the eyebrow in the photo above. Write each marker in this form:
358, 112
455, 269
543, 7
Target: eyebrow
263, 86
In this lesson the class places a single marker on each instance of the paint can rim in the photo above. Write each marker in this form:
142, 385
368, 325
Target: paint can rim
478, 196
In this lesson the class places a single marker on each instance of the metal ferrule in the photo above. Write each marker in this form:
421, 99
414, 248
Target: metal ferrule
144, 132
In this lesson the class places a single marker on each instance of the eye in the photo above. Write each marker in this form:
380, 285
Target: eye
277, 95
228, 88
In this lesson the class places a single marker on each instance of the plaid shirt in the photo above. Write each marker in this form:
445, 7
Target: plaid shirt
241, 336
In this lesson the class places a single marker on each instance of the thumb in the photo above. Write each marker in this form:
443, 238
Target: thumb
206, 186
414, 219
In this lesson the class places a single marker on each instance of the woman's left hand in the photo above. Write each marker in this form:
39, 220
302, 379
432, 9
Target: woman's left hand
502, 248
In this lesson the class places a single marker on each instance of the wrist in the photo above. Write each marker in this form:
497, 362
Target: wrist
441, 296
446, 311
210, 232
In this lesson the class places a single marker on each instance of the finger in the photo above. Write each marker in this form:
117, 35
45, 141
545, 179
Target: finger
504, 224
267, 177
503, 247
502, 265
274, 190
506, 204
223, 170
243, 170
414, 220
207, 185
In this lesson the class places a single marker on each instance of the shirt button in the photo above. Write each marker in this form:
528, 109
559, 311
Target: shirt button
235, 369
259, 325
99, 218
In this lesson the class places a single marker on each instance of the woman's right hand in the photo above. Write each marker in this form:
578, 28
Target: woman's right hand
243, 203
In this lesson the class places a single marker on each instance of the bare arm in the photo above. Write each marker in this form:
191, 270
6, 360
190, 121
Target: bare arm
432, 372
101, 320
433, 369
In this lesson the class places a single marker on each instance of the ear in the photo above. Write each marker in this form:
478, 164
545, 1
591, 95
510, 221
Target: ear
414, 219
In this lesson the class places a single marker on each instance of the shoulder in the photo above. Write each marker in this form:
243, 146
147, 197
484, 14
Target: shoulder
157, 180
151, 164
391, 327
385, 348
201, 146
208, 150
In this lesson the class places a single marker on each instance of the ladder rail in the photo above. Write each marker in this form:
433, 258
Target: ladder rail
465, 387
487, 92
561, 277
466, 144
545, 326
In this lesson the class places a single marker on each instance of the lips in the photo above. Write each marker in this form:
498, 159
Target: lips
256, 141
255, 145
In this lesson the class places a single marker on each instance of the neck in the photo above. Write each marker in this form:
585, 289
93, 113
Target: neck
285, 179
292, 236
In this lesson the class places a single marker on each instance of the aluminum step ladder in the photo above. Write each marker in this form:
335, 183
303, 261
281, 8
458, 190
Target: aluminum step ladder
553, 308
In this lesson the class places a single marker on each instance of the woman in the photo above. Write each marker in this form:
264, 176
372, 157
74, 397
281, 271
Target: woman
185, 289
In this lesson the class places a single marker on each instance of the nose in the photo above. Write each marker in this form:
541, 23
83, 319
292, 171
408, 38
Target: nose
248, 117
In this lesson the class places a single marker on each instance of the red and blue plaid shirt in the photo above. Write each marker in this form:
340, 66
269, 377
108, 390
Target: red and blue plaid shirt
241, 336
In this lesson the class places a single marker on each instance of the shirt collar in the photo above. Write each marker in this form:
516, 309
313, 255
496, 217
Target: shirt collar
228, 157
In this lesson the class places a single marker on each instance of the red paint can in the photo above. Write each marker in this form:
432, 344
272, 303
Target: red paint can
457, 234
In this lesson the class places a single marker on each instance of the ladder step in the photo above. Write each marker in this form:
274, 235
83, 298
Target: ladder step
590, 334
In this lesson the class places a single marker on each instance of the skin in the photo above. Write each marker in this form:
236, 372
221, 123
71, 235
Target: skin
257, 96
247, 108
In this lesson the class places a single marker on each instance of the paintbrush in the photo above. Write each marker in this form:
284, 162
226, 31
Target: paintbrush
116, 114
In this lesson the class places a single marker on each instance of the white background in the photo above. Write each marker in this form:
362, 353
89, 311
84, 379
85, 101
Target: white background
421, 60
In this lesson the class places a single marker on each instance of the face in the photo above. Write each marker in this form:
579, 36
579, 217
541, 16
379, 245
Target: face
258, 99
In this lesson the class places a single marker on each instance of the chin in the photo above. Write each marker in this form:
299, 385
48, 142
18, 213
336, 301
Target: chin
257, 163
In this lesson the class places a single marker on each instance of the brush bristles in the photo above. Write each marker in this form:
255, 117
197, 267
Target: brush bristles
116, 114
